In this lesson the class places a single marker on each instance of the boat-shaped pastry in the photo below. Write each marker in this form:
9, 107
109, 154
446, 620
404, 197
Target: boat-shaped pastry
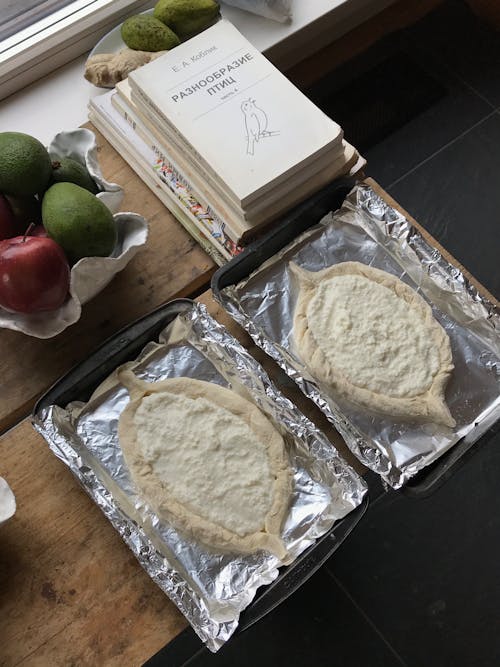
207, 461
374, 341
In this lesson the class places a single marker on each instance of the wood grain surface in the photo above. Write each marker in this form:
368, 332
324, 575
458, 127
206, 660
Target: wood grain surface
171, 264
71, 592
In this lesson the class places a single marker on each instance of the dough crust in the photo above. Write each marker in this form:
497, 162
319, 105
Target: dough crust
429, 405
178, 514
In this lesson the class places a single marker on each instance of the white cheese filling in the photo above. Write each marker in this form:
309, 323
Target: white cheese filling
372, 336
207, 458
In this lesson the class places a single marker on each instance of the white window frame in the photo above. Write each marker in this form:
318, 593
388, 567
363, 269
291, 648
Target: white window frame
59, 38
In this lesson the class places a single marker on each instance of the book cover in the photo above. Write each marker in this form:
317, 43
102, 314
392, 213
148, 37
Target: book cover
235, 111
256, 211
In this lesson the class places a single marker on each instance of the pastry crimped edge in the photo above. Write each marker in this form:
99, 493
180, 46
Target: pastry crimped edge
168, 507
428, 406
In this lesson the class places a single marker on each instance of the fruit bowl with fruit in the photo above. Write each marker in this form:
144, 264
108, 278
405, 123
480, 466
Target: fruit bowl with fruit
61, 241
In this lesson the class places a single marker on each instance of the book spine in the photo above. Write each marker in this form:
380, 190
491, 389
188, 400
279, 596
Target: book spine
180, 187
213, 226
208, 243
177, 180
203, 178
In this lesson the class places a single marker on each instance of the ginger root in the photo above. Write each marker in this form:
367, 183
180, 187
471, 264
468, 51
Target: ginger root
105, 70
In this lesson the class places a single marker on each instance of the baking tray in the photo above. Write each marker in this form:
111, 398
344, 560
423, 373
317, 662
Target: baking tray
290, 227
79, 384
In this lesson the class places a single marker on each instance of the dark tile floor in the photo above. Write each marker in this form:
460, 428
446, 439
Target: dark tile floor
430, 582
424, 108
418, 581
314, 616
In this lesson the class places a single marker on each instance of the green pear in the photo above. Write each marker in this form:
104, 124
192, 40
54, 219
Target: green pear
79, 221
146, 33
67, 170
186, 17
25, 165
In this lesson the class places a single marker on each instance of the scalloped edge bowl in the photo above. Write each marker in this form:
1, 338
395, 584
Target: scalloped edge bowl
91, 274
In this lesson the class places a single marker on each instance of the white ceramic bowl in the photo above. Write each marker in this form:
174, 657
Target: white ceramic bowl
91, 274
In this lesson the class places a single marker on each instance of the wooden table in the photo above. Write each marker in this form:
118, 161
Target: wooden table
71, 592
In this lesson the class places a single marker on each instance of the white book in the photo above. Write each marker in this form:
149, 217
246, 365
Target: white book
243, 119
202, 179
164, 150
173, 205
258, 210
174, 194
238, 223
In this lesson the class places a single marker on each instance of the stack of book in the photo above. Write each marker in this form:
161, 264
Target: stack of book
225, 140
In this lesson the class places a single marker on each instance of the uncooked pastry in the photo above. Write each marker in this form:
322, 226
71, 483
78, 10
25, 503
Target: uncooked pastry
373, 340
207, 461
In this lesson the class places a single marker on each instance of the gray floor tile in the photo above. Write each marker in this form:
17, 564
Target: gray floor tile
464, 42
455, 195
399, 106
318, 625
458, 110
425, 570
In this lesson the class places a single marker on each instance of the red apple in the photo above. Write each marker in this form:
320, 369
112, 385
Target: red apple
34, 274
8, 223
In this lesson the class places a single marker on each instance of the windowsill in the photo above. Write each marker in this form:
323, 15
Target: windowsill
59, 100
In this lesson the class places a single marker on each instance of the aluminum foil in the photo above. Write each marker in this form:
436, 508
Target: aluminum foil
209, 588
366, 229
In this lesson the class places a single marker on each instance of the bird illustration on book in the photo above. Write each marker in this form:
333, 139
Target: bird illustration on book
255, 124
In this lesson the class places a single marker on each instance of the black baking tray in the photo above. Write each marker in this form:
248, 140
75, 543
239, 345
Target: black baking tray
79, 384
292, 225
285, 230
